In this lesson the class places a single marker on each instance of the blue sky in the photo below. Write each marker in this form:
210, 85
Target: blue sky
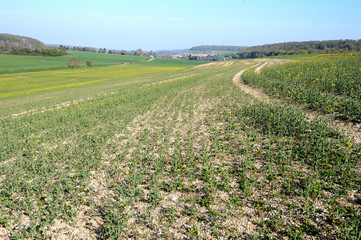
160, 24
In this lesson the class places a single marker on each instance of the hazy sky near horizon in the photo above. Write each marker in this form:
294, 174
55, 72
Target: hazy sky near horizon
161, 24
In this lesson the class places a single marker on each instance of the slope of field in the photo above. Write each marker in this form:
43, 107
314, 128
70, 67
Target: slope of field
101, 59
184, 154
17, 63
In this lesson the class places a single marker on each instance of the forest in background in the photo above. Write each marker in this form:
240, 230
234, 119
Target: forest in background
291, 48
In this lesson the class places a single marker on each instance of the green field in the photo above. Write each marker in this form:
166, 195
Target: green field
169, 150
16, 63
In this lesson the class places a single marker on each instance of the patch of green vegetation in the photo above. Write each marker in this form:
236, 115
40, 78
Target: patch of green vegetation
17, 64
101, 59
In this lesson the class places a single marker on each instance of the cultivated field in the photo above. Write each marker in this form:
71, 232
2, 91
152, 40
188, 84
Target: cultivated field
164, 150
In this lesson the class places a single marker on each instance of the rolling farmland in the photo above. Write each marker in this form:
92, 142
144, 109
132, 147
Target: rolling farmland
166, 149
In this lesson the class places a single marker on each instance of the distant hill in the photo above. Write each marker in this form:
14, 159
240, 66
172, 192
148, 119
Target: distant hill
215, 48
203, 49
308, 47
170, 52
9, 42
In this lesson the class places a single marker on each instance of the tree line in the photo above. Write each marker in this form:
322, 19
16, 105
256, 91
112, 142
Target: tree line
38, 52
291, 48
20, 45
138, 52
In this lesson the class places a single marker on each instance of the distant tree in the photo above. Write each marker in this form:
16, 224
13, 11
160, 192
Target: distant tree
110, 52
138, 52
74, 62
89, 49
190, 57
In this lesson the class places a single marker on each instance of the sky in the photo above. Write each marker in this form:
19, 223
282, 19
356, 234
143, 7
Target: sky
173, 24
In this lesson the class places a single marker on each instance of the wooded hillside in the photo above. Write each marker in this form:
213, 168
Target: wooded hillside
9, 42
309, 47
20, 45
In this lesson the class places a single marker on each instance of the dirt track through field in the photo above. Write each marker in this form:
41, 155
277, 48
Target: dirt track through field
257, 93
353, 131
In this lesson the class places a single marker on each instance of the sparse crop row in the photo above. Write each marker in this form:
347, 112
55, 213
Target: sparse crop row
327, 83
